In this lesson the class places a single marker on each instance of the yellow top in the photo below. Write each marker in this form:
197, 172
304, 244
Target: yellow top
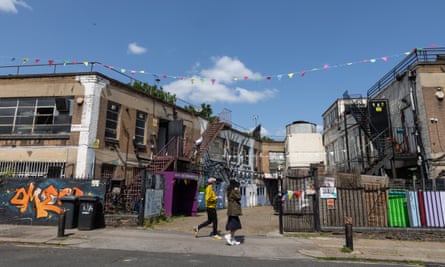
211, 197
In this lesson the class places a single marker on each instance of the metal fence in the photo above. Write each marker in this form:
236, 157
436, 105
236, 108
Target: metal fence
299, 203
397, 204
32, 169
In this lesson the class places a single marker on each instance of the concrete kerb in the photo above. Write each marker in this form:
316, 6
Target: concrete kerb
272, 247
292, 246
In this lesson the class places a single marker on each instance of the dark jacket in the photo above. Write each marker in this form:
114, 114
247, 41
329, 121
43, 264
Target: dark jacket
234, 202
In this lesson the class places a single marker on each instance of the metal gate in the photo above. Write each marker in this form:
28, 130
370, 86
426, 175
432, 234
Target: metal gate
300, 203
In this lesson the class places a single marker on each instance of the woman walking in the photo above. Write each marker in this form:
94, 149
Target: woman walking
233, 212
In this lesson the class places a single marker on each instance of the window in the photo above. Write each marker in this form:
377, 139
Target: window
107, 171
141, 122
246, 155
112, 120
35, 115
233, 151
275, 159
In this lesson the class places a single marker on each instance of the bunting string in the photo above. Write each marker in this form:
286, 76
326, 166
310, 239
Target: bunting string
193, 79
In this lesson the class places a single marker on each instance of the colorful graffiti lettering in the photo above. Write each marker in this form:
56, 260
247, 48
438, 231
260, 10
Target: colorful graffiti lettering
44, 200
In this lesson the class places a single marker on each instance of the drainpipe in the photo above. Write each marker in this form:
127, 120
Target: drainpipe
420, 149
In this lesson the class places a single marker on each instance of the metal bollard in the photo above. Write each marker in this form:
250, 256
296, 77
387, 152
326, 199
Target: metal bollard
61, 226
348, 233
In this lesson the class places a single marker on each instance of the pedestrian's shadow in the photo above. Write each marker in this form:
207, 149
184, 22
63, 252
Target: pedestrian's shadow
240, 238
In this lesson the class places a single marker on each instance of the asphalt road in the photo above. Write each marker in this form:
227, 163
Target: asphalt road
14, 255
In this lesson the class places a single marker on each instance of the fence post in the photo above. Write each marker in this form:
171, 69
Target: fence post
280, 194
61, 225
348, 232
141, 214
316, 207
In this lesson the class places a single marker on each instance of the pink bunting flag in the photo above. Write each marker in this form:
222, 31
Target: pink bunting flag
303, 73
246, 78
50, 62
213, 81
36, 60
164, 76
326, 66
133, 72
384, 59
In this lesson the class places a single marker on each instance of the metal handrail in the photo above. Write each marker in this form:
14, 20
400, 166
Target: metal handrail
419, 55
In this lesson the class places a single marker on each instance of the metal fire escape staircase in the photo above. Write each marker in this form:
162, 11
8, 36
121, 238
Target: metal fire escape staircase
380, 140
208, 137
174, 150
165, 157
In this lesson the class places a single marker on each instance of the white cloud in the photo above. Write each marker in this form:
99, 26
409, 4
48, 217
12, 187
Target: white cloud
134, 48
11, 5
217, 84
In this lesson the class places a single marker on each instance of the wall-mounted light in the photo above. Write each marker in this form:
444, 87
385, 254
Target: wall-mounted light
79, 100
439, 93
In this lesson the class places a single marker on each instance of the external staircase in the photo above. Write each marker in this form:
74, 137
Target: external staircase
174, 151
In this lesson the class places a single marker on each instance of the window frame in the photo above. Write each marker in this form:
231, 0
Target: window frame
38, 117
112, 120
140, 137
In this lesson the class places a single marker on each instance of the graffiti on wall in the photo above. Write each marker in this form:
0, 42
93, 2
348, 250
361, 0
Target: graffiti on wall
39, 200
42, 199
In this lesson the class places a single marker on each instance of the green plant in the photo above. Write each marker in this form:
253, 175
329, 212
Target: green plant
346, 249
7, 173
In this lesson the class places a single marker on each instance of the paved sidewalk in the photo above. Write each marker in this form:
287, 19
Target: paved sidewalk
259, 238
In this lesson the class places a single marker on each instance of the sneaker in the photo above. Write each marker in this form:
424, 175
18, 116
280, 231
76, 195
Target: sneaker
235, 243
228, 239
216, 237
196, 231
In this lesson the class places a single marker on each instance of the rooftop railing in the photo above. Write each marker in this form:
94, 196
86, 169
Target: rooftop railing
121, 75
419, 55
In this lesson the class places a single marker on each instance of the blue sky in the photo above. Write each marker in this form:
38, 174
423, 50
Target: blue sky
242, 55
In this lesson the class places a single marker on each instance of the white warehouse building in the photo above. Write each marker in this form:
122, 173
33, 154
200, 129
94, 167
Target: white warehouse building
303, 145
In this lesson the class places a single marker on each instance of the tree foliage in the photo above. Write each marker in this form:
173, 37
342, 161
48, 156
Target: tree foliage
154, 91
205, 111
267, 139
